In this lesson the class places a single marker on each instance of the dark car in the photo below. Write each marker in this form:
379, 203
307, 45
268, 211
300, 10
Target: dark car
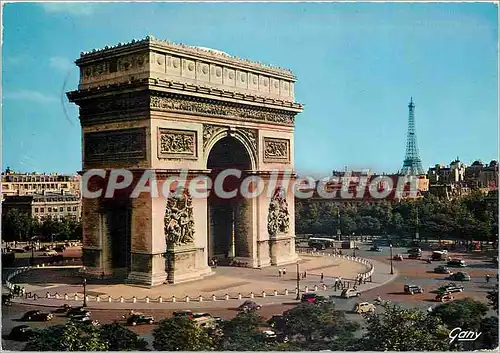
412, 289
312, 298
37, 315
21, 333
19, 250
460, 276
62, 309
140, 319
451, 288
78, 311
457, 263
249, 306
415, 251
7, 299
182, 313
375, 248
415, 255
84, 320
442, 269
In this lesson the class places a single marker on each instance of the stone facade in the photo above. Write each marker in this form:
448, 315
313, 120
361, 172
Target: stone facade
155, 105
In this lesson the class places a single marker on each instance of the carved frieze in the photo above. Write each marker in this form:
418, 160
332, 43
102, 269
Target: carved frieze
219, 109
210, 131
276, 150
251, 137
177, 143
179, 220
115, 145
278, 219
102, 69
122, 104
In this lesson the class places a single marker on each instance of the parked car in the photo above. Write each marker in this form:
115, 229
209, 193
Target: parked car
21, 333
364, 307
457, 263
78, 311
50, 253
412, 289
182, 313
249, 306
375, 248
444, 297
460, 276
349, 293
451, 288
415, 251
442, 269
37, 315
140, 319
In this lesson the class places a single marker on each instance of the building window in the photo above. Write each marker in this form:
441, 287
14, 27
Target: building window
68, 209
36, 209
42, 210
49, 209
74, 208
61, 209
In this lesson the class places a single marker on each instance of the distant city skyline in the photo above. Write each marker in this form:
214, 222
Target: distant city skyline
357, 65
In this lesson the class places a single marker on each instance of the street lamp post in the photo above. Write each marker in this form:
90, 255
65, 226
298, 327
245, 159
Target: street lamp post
84, 292
392, 269
32, 259
298, 282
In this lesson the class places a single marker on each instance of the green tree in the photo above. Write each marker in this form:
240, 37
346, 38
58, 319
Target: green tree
17, 226
69, 337
493, 299
242, 333
399, 329
489, 333
119, 338
180, 334
465, 313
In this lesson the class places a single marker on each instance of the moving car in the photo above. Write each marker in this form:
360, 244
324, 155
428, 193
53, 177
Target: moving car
312, 298
21, 333
460, 276
451, 288
249, 305
85, 320
50, 253
439, 255
375, 248
182, 313
349, 293
62, 309
77, 311
37, 315
364, 307
7, 299
412, 289
415, 256
140, 319
457, 263
444, 297
415, 251
442, 269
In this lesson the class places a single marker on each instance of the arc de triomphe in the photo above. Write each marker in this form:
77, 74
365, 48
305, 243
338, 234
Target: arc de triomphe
154, 105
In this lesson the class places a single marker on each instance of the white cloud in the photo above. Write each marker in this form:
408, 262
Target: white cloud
61, 63
31, 96
72, 8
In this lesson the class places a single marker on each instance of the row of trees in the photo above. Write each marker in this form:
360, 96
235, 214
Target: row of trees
306, 326
472, 217
19, 226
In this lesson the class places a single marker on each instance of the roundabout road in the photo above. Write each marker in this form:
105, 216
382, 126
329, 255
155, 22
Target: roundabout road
409, 272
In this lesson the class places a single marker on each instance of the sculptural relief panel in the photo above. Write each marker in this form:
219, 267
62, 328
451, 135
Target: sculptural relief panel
229, 77
276, 150
241, 79
177, 144
173, 66
278, 219
126, 144
188, 69
179, 220
216, 74
202, 71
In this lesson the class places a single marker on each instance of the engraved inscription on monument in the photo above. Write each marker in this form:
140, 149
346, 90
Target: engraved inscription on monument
276, 150
176, 144
111, 145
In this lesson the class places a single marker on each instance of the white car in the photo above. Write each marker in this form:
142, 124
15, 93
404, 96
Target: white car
364, 307
348, 293
50, 253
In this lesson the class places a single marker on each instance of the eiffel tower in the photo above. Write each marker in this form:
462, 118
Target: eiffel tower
412, 165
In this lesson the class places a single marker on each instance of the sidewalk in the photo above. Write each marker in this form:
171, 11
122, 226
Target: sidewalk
230, 280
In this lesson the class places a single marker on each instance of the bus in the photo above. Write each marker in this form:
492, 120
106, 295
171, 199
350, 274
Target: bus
321, 243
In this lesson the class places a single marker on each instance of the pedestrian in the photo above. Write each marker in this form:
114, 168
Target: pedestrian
497, 277
279, 272
487, 278
284, 272
212, 263
102, 275
322, 276
335, 286
360, 280
305, 274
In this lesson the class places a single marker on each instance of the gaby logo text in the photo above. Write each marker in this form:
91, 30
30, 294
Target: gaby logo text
457, 334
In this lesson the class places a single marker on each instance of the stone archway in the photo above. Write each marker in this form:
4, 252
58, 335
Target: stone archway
228, 226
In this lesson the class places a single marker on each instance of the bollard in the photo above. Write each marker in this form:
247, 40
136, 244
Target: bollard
97, 299
134, 299
306, 289
296, 290
76, 297
109, 299
275, 293
251, 295
263, 294
214, 298
200, 298
47, 295
174, 299
35, 297
43, 265
227, 296
286, 291
239, 296
66, 296
57, 296
324, 286
315, 288
147, 299
122, 300
87, 298
187, 298
160, 299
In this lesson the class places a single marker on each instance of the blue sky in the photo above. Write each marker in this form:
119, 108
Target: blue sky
357, 65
